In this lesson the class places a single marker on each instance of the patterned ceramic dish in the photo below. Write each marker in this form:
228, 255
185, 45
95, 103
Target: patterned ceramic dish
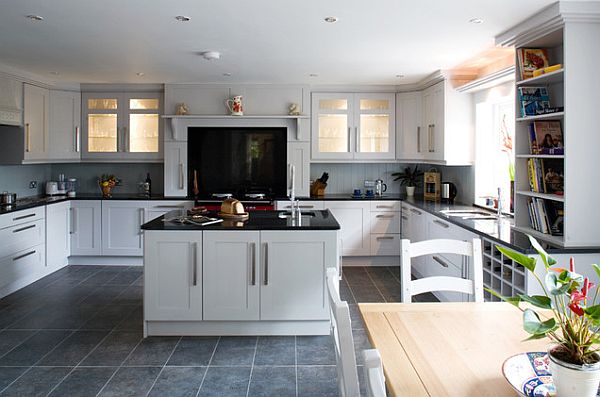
529, 375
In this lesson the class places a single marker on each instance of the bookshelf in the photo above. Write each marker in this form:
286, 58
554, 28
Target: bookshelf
568, 30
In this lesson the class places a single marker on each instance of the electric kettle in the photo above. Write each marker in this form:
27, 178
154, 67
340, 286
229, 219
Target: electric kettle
380, 187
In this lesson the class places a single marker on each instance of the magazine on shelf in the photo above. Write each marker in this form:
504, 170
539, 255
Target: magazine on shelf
546, 216
548, 137
531, 59
554, 176
533, 100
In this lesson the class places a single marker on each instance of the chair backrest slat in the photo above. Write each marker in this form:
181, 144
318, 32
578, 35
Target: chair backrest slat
374, 374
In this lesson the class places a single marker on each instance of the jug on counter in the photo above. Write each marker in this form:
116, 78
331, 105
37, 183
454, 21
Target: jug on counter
380, 187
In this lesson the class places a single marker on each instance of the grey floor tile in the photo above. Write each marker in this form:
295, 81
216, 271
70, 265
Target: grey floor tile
103, 294
83, 382
124, 278
34, 348
154, 350
133, 321
109, 317
37, 319
361, 342
194, 351
356, 320
132, 295
131, 382
366, 294
100, 278
346, 293
10, 339
317, 380
37, 382
15, 312
427, 297
73, 349
225, 381
178, 382
114, 349
235, 350
273, 381
315, 350
9, 374
276, 350
139, 282
356, 276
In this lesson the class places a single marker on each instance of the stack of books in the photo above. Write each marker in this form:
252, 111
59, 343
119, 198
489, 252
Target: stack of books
546, 216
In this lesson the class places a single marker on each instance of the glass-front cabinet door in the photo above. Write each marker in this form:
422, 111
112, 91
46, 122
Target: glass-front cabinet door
121, 126
348, 126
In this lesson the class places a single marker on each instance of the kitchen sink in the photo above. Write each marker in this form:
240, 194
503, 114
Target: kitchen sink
469, 214
288, 214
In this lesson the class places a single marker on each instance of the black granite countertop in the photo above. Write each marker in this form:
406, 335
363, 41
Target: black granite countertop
258, 220
349, 197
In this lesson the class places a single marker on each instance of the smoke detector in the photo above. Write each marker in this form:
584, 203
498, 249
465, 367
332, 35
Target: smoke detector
210, 55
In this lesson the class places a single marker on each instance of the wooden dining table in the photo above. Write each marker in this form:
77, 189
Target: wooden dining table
446, 349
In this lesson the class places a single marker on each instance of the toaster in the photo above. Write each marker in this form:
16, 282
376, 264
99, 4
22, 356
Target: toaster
51, 188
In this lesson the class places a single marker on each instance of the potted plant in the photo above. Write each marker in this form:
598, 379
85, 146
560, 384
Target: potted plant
409, 178
107, 183
571, 321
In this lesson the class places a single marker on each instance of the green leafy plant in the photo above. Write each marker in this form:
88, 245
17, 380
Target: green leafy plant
409, 177
568, 297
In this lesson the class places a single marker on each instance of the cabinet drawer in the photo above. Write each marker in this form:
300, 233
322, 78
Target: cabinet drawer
385, 244
385, 205
20, 217
305, 205
21, 268
20, 237
156, 209
385, 222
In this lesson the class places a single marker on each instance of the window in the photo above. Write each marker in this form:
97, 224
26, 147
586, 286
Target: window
494, 153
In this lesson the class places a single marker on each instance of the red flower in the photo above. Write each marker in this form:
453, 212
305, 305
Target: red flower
587, 285
577, 297
576, 309
572, 265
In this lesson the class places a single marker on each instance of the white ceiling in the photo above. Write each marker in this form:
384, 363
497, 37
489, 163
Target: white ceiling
261, 41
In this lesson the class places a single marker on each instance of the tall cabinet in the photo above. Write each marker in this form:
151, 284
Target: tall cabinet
36, 109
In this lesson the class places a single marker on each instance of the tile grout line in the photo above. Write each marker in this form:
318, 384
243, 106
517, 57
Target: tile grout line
208, 365
252, 367
164, 365
375, 285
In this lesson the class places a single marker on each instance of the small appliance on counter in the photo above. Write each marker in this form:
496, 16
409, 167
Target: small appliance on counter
449, 192
52, 188
71, 187
432, 185
380, 187
8, 199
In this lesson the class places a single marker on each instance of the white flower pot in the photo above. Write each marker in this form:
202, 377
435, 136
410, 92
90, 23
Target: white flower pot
573, 380
410, 191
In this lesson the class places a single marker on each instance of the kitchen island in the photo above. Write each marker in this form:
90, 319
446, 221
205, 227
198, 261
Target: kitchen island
262, 276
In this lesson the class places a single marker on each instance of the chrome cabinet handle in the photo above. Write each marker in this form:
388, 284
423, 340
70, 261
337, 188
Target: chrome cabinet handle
18, 218
180, 175
142, 220
266, 281
72, 223
385, 206
301, 206
126, 140
77, 140
442, 224
384, 238
27, 140
349, 141
384, 216
169, 206
195, 264
16, 258
433, 138
414, 211
253, 271
23, 228
357, 140
419, 139
440, 261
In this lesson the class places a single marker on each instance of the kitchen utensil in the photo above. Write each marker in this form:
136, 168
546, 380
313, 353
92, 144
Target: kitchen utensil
8, 199
52, 188
448, 192
369, 193
432, 185
356, 192
71, 187
235, 106
380, 187
195, 188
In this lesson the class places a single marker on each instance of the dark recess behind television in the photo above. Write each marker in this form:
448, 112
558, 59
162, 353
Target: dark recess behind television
238, 160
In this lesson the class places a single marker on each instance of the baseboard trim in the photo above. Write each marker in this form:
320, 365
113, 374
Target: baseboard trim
235, 328
107, 260
349, 261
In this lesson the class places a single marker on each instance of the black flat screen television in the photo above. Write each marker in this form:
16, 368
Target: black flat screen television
237, 160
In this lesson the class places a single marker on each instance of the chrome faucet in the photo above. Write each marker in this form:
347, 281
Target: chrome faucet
499, 202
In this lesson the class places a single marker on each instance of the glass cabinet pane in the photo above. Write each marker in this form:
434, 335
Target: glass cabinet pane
374, 104
374, 133
102, 104
333, 104
102, 132
143, 104
333, 133
143, 133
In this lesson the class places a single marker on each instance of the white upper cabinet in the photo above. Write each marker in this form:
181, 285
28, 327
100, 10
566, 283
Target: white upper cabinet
36, 102
65, 126
410, 139
348, 126
122, 126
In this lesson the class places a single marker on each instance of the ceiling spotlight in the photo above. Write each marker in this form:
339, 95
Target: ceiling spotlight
182, 18
331, 19
227, 74
140, 74
211, 55
476, 21
400, 76
313, 75
35, 17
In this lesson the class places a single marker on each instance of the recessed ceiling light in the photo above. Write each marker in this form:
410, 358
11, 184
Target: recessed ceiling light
313, 75
400, 76
331, 19
476, 21
140, 74
182, 18
227, 74
35, 17
211, 55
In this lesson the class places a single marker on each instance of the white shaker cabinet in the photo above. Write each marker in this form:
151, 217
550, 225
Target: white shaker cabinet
121, 232
176, 181
157, 208
58, 234
354, 219
231, 270
86, 227
36, 116
298, 154
410, 139
173, 276
65, 126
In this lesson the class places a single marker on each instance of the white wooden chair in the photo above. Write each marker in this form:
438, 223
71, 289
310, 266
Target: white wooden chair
471, 249
374, 374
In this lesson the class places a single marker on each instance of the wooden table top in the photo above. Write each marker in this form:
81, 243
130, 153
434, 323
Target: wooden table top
446, 349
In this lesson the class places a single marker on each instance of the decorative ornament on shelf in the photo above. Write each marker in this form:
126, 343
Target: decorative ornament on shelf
235, 106
107, 183
570, 319
409, 178
294, 109
181, 109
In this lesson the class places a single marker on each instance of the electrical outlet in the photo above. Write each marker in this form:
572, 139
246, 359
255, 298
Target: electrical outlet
369, 183
33, 185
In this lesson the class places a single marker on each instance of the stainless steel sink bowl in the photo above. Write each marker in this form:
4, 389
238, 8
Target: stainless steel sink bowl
469, 214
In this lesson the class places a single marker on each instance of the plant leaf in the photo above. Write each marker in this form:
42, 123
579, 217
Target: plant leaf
547, 259
596, 268
513, 300
527, 262
533, 325
534, 337
555, 285
593, 312
540, 301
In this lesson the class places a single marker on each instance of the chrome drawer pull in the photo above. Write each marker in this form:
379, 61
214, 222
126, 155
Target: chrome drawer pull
266, 263
23, 228
253, 253
440, 261
385, 238
385, 206
18, 218
442, 224
384, 216
414, 211
169, 206
24, 255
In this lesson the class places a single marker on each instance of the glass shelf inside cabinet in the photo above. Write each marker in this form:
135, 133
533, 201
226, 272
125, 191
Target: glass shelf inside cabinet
102, 136
143, 135
333, 133
143, 104
374, 104
374, 133
333, 104
102, 104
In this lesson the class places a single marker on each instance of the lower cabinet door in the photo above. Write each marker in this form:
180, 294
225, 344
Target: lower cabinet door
293, 272
231, 270
121, 233
86, 227
58, 238
354, 219
173, 276
22, 268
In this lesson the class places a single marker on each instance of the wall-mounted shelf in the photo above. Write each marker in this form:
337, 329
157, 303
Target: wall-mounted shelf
548, 78
549, 116
540, 156
554, 240
546, 196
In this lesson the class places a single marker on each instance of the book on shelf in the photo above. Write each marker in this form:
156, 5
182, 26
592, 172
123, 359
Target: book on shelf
533, 100
546, 176
545, 137
531, 59
546, 216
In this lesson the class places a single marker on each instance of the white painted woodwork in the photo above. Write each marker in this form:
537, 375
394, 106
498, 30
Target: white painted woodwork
36, 120
405, 222
410, 138
305, 205
121, 232
418, 232
65, 126
374, 378
173, 276
354, 219
231, 268
175, 169
386, 206
385, 244
292, 277
86, 227
385, 222
22, 268
269, 99
22, 216
58, 234
22, 236
298, 154
154, 209
11, 101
